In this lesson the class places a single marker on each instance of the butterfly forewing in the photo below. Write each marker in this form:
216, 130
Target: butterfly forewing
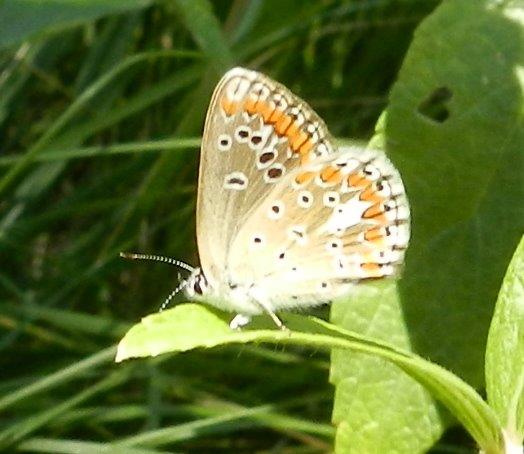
256, 133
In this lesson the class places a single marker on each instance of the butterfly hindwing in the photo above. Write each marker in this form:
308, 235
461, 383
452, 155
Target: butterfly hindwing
327, 225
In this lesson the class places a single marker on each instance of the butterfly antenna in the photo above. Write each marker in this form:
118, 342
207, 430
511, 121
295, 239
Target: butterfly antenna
157, 258
167, 301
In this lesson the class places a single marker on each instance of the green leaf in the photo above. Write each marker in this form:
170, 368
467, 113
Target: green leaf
377, 407
200, 20
505, 351
190, 326
455, 130
23, 19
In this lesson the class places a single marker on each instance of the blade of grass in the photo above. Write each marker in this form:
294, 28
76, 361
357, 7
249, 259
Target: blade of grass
198, 17
110, 150
77, 107
21, 429
75, 370
57, 446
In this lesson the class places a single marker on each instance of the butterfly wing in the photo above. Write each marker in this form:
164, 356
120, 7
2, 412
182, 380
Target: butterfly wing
256, 133
328, 224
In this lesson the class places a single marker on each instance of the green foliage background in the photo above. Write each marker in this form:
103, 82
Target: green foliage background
101, 107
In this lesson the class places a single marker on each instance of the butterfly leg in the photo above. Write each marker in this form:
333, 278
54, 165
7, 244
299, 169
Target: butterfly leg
239, 321
273, 316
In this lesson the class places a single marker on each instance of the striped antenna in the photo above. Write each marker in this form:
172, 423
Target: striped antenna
166, 302
157, 258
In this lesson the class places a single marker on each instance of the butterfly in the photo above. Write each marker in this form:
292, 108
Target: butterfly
287, 219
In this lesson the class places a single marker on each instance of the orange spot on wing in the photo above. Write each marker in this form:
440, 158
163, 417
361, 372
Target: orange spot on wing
262, 108
371, 195
275, 116
370, 266
371, 269
291, 132
251, 106
331, 175
306, 147
304, 177
306, 159
374, 235
297, 140
358, 181
283, 124
375, 212
228, 106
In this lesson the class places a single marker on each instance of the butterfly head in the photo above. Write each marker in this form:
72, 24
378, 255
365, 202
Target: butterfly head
196, 285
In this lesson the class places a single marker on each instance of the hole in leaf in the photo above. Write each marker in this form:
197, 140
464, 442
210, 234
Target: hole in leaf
434, 106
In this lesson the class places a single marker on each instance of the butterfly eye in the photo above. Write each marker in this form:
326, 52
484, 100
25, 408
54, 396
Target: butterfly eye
199, 284
197, 289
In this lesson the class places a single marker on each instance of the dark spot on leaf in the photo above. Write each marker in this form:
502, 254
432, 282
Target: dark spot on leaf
434, 106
